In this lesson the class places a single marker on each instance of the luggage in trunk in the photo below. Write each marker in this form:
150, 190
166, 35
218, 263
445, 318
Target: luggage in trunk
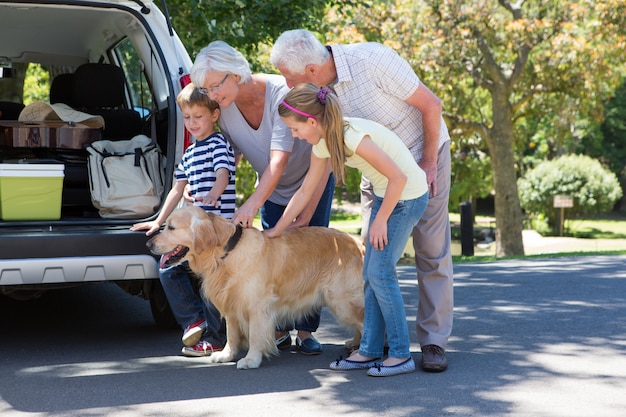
48, 134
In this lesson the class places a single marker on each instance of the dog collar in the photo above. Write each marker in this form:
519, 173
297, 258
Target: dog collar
232, 241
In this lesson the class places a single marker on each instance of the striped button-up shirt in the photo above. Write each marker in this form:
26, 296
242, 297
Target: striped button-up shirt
373, 82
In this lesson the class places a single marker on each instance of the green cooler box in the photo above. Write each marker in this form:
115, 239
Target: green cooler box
31, 191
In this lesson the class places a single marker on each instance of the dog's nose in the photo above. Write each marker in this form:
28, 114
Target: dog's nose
150, 244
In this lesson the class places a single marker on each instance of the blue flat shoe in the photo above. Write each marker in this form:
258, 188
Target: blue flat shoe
309, 346
405, 367
348, 365
283, 342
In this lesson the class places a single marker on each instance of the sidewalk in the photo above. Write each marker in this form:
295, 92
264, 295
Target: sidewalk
535, 244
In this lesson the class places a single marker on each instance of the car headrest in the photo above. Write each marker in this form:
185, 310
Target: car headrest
98, 85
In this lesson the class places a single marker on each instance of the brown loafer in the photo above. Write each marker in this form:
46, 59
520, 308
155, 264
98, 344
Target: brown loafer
434, 359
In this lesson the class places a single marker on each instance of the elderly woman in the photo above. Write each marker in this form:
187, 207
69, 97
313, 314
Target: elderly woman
249, 118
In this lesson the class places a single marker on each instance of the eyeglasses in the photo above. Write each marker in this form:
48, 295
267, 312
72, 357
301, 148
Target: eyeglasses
207, 91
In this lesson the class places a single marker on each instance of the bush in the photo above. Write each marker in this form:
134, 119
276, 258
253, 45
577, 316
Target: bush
594, 188
351, 190
245, 180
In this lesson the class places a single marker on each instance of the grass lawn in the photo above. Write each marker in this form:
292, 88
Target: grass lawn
611, 226
346, 222
607, 226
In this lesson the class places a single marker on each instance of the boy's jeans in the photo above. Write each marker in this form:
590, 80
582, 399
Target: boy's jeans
188, 306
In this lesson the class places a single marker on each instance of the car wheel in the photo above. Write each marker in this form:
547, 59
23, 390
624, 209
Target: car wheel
161, 311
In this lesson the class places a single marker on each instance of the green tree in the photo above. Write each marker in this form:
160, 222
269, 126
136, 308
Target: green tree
36, 83
508, 73
248, 25
607, 143
471, 170
251, 26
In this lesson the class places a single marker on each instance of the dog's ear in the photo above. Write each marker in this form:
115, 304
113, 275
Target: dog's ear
210, 231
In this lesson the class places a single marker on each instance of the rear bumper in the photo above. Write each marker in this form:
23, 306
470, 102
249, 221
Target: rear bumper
32, 256
77, 269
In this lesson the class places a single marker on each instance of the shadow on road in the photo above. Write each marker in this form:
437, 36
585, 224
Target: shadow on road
531, 337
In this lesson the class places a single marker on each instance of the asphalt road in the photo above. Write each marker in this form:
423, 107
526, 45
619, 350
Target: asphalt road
542, 337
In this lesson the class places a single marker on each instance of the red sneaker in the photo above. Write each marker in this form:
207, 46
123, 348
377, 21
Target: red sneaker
193, 332
202, 348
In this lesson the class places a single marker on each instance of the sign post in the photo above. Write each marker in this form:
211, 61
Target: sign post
563, 201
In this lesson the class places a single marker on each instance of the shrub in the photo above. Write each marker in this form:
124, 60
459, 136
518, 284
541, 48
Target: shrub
351, 190
594, 188
245, 181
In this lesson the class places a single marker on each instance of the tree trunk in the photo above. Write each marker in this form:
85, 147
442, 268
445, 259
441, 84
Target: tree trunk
508, 211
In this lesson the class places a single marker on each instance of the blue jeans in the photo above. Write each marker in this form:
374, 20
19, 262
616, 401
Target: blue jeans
384, 306
189, 306
271, 213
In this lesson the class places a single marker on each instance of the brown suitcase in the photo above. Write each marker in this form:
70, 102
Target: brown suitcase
48, 134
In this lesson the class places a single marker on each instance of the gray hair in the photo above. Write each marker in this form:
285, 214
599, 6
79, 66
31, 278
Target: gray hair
219, 56
295, 49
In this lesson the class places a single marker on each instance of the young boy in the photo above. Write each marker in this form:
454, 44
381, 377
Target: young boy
208, 167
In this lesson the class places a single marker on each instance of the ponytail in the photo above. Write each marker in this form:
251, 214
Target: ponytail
306, 101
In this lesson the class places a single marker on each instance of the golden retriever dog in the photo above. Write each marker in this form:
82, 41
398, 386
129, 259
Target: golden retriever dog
257, 282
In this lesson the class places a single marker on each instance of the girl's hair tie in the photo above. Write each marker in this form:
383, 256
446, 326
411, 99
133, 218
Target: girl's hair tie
300, 112
321, 94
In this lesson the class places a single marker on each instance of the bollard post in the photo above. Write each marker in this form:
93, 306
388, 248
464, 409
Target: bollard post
467, 229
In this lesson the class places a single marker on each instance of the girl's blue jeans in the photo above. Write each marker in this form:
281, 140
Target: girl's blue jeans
384, 305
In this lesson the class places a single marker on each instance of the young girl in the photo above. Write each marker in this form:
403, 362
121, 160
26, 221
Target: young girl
314, 115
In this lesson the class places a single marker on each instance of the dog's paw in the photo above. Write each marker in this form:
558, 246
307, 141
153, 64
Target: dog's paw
352, 345
220, 357
248, 363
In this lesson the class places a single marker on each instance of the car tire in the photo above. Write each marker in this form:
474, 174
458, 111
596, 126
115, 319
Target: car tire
161, 311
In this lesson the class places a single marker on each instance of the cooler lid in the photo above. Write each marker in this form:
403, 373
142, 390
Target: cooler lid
31, 170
